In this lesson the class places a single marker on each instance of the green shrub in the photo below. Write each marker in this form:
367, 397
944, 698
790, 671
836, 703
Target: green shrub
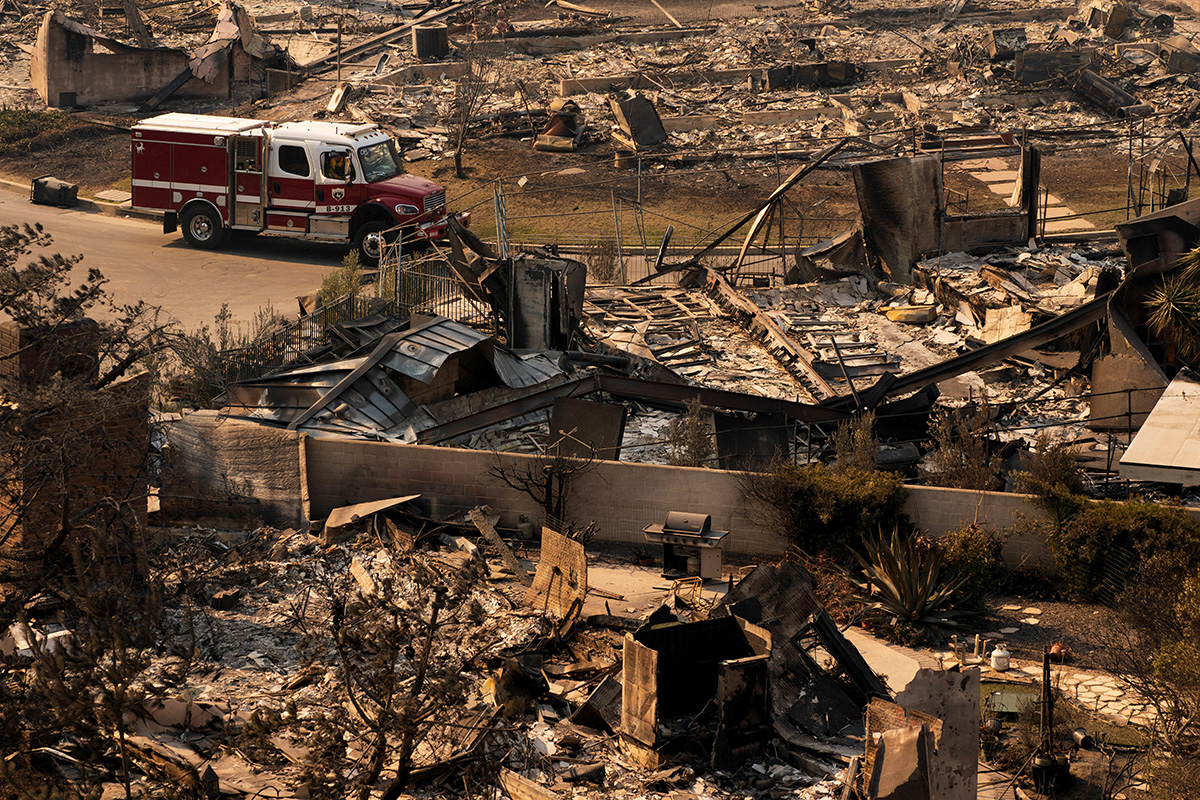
973, 553
345, 280
1174, 307
821, 509
1100, 547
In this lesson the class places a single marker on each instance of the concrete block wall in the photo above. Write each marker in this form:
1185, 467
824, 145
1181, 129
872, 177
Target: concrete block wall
106, 454
30, 356
220, 470
622, 497
938, 511
10, 342
629, 496
298, 478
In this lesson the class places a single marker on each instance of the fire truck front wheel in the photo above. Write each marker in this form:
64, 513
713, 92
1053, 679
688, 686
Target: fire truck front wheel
368, 241
202, 227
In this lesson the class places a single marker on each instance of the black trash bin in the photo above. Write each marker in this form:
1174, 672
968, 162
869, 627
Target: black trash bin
50, 191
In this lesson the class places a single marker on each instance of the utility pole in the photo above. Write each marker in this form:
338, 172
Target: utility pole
339, 50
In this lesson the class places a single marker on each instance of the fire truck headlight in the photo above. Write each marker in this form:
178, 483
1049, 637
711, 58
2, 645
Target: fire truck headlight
404, 208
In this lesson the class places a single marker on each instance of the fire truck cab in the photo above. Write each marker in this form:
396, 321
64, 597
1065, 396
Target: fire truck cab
316, 180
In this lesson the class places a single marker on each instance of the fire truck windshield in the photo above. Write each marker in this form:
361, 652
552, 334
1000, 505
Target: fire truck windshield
379, 161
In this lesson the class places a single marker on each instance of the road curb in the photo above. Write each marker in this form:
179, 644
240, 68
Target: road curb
93, 205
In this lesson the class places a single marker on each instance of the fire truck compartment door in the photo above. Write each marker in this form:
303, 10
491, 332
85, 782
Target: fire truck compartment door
248, 184
290, 176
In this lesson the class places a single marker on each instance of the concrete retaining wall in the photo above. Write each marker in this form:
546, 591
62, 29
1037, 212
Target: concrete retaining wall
294, 478
622, 497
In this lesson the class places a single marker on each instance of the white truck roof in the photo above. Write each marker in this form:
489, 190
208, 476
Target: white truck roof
344, 133
200, 123
337, 133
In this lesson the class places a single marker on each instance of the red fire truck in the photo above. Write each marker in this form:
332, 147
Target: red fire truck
316, 180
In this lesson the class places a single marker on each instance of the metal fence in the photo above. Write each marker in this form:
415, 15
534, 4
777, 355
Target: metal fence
402, 288
428, 285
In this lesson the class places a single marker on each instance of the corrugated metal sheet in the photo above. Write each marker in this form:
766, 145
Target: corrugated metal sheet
372, 401
315, 371
519, 372
361, 396
420, 353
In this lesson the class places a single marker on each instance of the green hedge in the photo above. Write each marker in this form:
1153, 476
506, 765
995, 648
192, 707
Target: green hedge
820, 508
973, 553
1101, 547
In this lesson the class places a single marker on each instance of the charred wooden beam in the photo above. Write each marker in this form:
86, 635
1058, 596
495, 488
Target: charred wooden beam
762, 327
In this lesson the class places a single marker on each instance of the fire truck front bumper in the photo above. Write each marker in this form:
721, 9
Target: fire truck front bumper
435, 231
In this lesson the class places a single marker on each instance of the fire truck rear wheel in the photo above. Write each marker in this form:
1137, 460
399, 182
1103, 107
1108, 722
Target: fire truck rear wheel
368, 241
202, 227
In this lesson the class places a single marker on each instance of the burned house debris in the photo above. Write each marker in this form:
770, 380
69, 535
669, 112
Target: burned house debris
449, 454
388, 391
74, 65
1164, 448
564, 130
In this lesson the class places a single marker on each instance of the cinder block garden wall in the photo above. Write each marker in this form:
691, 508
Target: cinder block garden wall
225, 471
938, 511
621, 497
302, 477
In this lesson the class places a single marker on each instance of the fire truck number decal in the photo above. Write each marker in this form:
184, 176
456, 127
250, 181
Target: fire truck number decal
334, 209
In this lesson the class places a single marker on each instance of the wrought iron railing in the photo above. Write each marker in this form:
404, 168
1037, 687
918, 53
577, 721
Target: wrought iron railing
404, 287
430, 287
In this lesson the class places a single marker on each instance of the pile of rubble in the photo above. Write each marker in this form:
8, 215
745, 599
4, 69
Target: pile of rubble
532, 682
766, 85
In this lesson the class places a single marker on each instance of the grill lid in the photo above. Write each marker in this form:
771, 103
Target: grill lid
687, 523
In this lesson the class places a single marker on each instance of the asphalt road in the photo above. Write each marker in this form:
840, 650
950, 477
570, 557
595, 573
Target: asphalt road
190, 285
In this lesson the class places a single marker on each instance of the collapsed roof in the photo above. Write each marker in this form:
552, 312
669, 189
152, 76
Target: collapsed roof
384, 394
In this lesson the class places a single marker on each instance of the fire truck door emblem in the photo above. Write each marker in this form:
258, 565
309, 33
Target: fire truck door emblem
338, 194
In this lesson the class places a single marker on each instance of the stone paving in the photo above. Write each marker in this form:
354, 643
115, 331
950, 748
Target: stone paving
1095, 691
1106, 695
1003, 181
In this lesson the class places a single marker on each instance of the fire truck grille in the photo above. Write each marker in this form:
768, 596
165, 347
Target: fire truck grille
435, 200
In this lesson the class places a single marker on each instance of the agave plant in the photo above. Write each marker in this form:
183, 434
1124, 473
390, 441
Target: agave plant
1175, 305
902, 577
